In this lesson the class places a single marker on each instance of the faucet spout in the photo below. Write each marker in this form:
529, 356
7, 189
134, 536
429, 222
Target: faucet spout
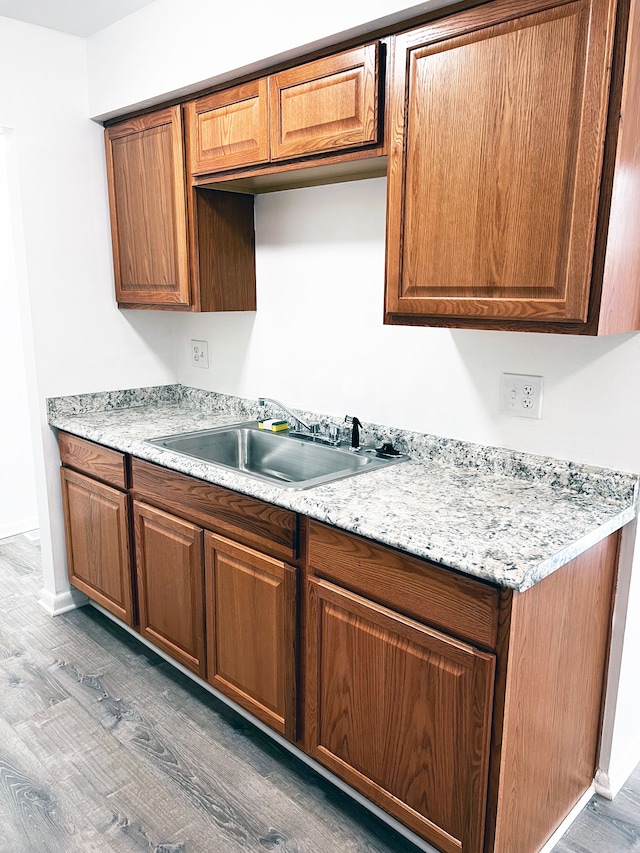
311, 428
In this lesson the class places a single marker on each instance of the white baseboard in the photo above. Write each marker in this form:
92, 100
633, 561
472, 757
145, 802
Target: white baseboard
609, 784
14, 528
603, 784
61, 602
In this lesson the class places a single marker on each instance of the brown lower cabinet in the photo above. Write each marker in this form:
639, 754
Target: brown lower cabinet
170, 584
98, 542
251, 631
469, 712
401, 712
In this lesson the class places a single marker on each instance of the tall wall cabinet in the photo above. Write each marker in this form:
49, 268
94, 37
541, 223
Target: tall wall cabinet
510, 127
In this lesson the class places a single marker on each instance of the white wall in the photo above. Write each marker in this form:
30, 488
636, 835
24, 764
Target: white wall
77, 340
18, 508
317, 341
178, 47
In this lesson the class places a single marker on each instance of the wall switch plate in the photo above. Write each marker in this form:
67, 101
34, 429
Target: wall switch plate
521, 395
200, 353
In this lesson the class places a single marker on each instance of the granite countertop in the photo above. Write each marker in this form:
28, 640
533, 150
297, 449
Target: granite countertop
503, 516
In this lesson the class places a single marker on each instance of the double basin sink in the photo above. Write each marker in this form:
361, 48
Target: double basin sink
276, 458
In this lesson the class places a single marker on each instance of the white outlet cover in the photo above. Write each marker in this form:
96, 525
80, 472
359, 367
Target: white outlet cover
521, 395
200, 354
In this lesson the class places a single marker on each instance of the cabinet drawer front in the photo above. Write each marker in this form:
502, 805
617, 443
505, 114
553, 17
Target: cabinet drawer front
249, 520
251, 631
325, 105
93, 459
228, 129
458, 605
401, 712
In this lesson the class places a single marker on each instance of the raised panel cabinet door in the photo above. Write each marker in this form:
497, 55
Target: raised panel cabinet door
171, 584
402, 713
251, 631
325, 105
98, 543
147, 193
498, 119
228, 129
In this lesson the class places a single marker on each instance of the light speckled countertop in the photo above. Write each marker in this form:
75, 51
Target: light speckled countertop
503, 516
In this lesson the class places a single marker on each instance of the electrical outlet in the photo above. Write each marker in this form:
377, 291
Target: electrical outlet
200, 353
521, 395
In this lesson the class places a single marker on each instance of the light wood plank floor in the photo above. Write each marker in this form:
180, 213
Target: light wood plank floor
106, 747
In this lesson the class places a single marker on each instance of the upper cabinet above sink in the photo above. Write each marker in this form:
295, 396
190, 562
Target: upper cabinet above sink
272, 125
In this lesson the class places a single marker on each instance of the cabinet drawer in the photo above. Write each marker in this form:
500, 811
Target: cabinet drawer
459, 605
248, 520
93, 459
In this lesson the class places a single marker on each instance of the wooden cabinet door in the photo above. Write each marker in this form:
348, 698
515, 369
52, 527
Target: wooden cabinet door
228, 129
325, 105
98, 543
402, 713
170, 575
146, 176
251, 631
498, 118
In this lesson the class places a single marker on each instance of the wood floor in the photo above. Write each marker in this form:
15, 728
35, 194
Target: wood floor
106, 747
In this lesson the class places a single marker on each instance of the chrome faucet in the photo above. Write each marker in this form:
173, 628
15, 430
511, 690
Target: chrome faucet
302, 429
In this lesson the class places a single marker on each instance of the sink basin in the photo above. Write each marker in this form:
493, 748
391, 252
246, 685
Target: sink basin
283, 460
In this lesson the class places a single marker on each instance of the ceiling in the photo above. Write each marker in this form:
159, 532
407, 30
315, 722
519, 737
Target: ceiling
77, 17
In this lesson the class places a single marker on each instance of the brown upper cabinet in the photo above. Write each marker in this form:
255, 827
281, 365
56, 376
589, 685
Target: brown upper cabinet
229, 129
503, 143
172, 249
325, 106
145, 169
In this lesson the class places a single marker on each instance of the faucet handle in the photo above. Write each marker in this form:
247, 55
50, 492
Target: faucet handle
355, 431
334, 433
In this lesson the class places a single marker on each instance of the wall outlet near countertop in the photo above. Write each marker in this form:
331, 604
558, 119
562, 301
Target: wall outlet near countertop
200, 353
521, 395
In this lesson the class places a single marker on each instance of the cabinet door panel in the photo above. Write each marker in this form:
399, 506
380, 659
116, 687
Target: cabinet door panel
401, 712
496, 161
145, 169
325, 105
229, 129
251, 631
171, 584
98, 543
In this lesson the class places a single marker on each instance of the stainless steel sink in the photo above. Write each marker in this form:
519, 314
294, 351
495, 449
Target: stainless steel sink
276, 458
